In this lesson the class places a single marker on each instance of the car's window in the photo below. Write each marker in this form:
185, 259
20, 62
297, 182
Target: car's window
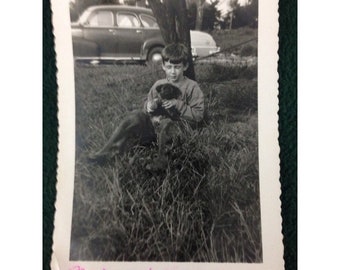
148, 21
127, 20
101, 18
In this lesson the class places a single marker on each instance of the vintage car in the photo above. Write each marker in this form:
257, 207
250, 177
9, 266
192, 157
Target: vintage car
117, 32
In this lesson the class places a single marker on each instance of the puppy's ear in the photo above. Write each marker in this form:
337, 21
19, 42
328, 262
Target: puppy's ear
176, 92
159, 88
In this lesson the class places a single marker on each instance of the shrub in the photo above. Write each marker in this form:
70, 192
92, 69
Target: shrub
248, 50
215, 72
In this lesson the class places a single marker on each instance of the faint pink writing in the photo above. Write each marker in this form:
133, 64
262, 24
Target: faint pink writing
78, 267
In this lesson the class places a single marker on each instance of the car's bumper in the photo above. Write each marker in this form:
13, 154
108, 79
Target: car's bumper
204, 51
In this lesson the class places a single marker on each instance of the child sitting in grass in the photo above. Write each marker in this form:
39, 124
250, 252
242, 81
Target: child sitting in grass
189, 106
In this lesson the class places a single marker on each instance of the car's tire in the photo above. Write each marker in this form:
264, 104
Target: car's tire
155, 56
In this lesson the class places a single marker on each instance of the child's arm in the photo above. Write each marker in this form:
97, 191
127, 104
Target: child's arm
149, 101
194, 110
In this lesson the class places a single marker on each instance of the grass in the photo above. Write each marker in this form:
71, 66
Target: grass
203, 207
226, 39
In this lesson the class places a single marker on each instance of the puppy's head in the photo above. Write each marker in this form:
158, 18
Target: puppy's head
168, 91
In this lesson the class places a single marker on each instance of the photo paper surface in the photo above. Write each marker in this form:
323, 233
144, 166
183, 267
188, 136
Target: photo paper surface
206, 198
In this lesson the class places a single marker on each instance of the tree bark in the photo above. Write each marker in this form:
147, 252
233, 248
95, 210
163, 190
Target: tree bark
199, 14
172, 18
141, 3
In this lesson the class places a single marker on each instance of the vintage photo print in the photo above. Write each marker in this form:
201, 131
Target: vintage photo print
168, 135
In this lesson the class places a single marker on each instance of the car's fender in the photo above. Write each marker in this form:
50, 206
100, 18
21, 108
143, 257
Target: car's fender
149, 44
83, 48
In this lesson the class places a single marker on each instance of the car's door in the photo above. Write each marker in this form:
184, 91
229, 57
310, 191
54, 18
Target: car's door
129, 35
151, 29
100, 29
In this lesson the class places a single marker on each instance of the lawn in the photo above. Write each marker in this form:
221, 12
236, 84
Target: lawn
229, 40
204, 206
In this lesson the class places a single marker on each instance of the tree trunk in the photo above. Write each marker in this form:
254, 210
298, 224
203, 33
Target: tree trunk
141, 3
231, 21
172, 18
199, 14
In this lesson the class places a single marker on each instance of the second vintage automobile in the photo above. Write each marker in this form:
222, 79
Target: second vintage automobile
117, 32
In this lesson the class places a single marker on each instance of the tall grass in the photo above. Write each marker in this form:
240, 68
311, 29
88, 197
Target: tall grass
204, 206
226, 39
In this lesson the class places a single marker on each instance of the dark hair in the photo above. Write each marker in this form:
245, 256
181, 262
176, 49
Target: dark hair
175, 53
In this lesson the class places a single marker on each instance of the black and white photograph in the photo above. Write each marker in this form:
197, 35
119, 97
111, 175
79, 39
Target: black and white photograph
168, 150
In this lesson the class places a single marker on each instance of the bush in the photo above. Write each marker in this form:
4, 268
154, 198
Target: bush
215, 72
248, 50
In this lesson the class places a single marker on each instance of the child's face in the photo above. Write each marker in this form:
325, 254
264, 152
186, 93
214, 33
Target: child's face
174, 72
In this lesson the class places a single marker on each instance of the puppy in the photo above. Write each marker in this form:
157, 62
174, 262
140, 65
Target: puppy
166, 92
163, 121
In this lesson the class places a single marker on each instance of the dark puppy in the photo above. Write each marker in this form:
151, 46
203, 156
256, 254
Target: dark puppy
163, 120
166, 92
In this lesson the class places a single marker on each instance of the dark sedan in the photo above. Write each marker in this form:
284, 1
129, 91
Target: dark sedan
119, 32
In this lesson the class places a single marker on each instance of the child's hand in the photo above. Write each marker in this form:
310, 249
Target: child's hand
167, 104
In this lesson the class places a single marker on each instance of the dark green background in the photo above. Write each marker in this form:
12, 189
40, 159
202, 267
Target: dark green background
287, 128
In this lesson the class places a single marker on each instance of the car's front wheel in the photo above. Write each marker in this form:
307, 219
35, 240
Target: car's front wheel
155, 56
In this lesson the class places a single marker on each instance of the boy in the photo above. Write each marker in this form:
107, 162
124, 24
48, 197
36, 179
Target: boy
189, 105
